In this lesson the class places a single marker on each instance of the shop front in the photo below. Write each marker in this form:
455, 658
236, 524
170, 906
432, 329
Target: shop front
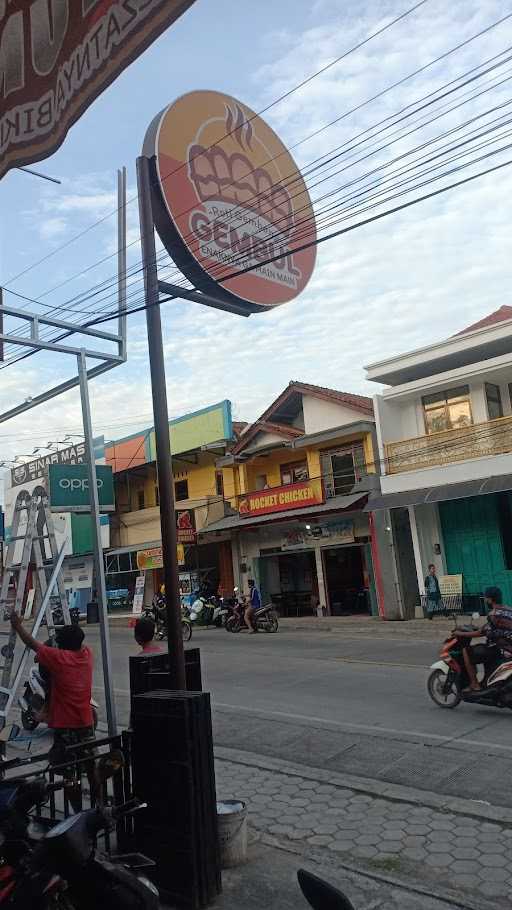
315, 567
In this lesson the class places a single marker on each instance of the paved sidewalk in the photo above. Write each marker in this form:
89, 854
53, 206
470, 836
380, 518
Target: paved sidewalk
451, 847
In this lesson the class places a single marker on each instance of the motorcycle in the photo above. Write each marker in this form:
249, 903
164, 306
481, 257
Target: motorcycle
208, 611
158, 614
63, 869
448, 678
265, 617
34, 699
320, 895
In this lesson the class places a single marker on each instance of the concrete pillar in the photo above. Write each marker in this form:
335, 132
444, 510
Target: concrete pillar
322, 590
388, 588
417, 549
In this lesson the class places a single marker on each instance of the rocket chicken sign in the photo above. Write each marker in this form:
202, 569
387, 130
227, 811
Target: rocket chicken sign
282, 499
228, 198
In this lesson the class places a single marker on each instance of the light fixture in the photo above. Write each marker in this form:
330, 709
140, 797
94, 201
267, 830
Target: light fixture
308, 527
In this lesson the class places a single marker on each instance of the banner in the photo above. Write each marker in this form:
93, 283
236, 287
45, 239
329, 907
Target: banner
281, 499
57, 56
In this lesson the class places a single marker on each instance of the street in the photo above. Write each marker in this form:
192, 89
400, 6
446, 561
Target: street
352, 704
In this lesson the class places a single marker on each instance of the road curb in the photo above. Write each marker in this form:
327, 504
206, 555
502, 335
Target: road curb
379, 789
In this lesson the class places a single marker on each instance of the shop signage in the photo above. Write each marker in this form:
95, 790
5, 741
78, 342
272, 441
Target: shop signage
69, 488
281, 499
56, 58
38, 468
236, 203
450, 584
138, 597
186, 526
153, 559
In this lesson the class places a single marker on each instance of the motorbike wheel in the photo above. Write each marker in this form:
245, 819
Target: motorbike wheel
273, 623
437, 689
186, 631
233, 624
28, 721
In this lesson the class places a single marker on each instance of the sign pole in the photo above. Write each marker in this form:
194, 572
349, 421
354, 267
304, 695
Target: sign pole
97, 547
162, 437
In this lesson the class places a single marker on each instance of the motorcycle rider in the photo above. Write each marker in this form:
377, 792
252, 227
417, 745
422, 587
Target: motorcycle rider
497, 637
253, 605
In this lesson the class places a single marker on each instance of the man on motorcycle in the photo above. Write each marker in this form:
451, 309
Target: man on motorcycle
497, 635
253, 605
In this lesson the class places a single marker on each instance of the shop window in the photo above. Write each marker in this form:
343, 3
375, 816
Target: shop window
124, 562
294, 473
504, 501
219, 483
157, 496
261, 482
341, 468
449, 410
140, 499
180, 490
493, 398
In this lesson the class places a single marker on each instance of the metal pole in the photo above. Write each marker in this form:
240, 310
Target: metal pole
162, 438
97, 547
121, 257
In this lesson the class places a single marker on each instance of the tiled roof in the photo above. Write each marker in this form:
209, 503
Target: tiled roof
360, 402
501, 315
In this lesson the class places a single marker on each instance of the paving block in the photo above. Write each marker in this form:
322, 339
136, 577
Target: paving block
465, 853
365, 852
491, 860
320, 840
462, 866
341, 846
439, 860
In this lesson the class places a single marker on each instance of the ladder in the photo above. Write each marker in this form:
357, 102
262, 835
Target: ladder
33, 509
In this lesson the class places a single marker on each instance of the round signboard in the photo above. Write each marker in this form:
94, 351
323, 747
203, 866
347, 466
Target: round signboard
228, 198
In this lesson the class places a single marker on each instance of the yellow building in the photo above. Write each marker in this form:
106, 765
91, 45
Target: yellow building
299, 482
197, 441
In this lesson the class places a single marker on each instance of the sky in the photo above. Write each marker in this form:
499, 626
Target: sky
396, 284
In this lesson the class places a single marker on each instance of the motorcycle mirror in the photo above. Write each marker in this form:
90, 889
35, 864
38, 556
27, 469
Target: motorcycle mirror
235, 590
320, 895
108, 765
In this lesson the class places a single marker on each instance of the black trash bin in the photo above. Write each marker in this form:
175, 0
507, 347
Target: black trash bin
93, 613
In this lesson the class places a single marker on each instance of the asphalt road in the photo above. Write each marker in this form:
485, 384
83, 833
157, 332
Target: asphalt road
357, 705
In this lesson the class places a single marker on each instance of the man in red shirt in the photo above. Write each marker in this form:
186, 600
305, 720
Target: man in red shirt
70, 712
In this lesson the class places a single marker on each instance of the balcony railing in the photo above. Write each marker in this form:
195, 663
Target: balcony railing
494, 437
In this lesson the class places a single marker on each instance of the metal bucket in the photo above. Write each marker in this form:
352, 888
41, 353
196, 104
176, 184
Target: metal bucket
232, 826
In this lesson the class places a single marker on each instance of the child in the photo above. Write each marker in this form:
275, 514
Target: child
144, 636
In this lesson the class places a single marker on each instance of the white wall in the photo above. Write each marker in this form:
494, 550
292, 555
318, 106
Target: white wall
324, 415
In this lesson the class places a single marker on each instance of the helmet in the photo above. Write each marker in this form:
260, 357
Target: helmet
162, 589
493, 594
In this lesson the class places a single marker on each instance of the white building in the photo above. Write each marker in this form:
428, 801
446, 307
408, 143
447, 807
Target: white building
444, 429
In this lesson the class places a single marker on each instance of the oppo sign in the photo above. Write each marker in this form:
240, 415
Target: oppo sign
69, 488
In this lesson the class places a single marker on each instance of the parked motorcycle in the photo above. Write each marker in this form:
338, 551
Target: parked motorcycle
265, 617
159, 616
63, 870
320, 895
448, 678
35, 697
208, 611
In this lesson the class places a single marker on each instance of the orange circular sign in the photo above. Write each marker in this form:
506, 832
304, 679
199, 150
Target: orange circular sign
229, 202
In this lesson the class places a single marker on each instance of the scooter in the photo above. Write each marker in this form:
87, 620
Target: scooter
448, 679
34, 700
208, 611
63, 869
320, 895
159, 616
265, 618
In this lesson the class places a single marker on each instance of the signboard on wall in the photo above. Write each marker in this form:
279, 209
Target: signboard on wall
450, 584
237, 204
138, 597
186, 526
38, 467
56, 58
69, 488
200, 428
153, 559
282, 499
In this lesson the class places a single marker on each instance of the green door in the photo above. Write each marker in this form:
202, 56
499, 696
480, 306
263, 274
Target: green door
473, 544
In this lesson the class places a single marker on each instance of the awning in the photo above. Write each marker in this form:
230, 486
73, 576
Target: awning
442, 493
335, 504
133, 548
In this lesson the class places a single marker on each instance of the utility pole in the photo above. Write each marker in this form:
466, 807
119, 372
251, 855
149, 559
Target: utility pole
162, 437
97, 547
